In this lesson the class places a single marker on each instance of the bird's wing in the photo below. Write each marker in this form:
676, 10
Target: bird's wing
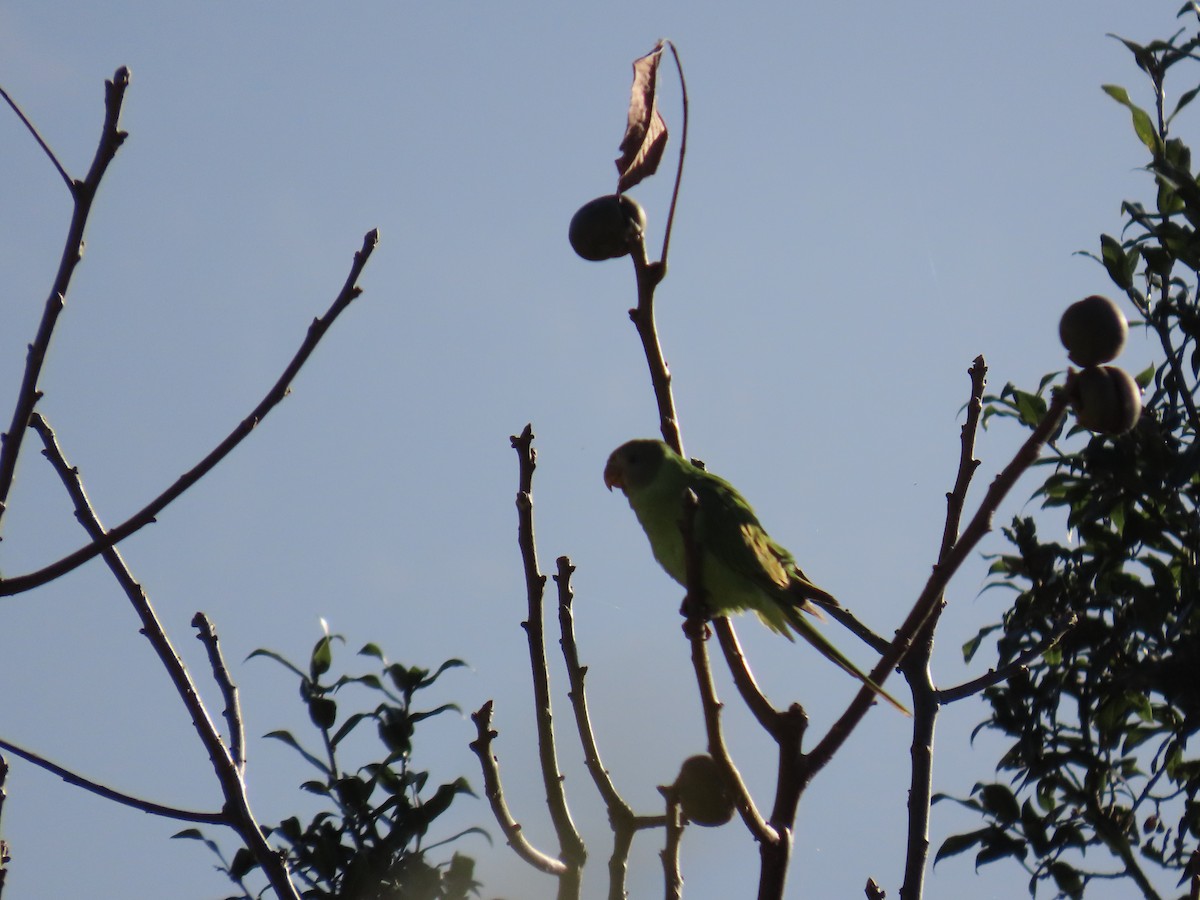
727, 528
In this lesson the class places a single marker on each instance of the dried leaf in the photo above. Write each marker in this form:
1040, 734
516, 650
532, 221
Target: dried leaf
646, 134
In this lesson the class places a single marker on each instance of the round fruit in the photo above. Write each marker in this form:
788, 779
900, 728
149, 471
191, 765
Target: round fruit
1106, 400
603, 228
1093, 331
703, 791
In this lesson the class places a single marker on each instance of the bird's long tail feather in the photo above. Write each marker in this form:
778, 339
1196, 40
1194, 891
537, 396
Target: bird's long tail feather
835, 656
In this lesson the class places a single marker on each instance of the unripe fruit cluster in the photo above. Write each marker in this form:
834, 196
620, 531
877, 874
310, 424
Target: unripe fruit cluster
1105, 398
604, 228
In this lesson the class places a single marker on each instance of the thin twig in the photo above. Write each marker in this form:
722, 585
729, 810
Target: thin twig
37, 137
743, 679
859, 629
83, 193
682, 153
576, 674
146, 806
238, 814
146, 515
995, 676
574, 853
207, 635
482, 747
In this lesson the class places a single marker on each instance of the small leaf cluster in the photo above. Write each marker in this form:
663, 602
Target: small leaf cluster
367, 843
1099, 778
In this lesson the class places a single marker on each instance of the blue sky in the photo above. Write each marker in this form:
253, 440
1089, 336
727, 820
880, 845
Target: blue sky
875, 194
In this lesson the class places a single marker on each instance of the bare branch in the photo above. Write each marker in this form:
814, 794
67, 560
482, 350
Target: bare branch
931, 596
860, 630
682, 153
739, 667
672, 876
915, 666
207, 635
4, 857
995, 676
146, 806
617, 808
83, 192
648, 276
238, 814
625, 823
482, 747
618, 860
146, 515
967, 463
573, 851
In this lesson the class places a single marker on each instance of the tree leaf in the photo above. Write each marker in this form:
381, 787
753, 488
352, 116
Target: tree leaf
957, 843
1185, 98
322, 657
1000, 802
646, 132
286, 737
1142, 123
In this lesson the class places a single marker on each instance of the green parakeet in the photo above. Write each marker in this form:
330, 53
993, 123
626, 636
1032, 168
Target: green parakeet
742, 568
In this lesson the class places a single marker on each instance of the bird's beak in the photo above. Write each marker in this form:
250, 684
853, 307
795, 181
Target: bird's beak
612, 476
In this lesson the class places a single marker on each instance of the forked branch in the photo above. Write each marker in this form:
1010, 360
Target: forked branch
83, 193
316, 331
237, 812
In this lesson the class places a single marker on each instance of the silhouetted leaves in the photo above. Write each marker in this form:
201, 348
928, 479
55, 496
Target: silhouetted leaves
1099, 779
367, 843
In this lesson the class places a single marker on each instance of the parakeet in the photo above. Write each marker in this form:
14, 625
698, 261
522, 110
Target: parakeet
742, 568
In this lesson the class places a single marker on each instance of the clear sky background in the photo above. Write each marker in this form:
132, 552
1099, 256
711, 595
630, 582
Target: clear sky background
875, 193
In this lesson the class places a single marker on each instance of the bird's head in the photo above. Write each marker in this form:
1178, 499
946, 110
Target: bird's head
634, 465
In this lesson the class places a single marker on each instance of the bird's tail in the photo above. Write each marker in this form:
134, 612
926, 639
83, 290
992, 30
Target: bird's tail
804, 594
803, 628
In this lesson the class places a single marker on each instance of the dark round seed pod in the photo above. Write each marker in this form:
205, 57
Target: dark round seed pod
1093, 330
704, 793
1106, 400
603, 228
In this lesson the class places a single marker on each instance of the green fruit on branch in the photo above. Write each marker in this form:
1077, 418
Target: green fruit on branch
704, 793
1106, 400
1093, 330
603, 228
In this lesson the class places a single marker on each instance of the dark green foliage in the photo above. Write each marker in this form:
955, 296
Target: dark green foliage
1102, 773
367, 843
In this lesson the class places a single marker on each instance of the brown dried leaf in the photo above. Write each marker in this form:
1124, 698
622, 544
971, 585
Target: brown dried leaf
646, 134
